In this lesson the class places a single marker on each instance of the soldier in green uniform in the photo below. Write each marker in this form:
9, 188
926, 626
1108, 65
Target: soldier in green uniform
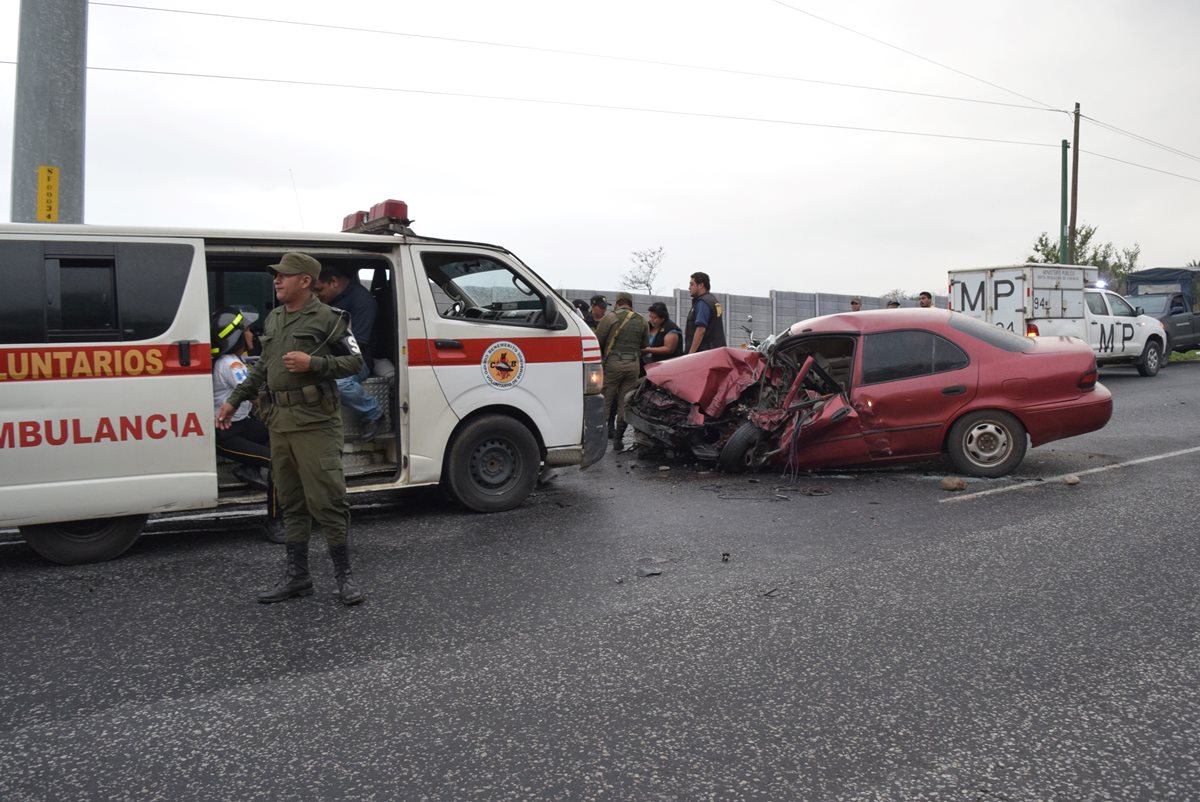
306, 347
622, 334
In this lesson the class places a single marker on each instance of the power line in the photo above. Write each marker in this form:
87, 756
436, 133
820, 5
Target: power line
570, 103
607, 107
917, 56
1141, 138
1144, 167
580, 54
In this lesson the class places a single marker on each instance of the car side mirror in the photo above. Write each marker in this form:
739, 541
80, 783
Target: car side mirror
1137, 310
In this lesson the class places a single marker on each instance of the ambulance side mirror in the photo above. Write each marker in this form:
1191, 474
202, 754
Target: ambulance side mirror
551, 319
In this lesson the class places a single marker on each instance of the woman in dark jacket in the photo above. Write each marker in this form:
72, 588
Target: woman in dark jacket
666, 338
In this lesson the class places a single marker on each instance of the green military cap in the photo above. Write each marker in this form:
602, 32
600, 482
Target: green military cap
626, 297
293, 263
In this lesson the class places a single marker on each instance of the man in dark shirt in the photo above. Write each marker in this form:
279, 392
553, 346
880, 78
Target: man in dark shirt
342, 291
704, 328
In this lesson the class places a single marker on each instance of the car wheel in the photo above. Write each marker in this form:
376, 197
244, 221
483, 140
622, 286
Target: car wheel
1151, 359
987, 443
739, 453
492, 464
77, 542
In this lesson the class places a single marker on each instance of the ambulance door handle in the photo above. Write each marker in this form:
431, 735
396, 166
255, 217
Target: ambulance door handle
185, 352
448, 344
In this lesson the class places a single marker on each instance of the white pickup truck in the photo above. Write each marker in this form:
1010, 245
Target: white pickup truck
1046, 300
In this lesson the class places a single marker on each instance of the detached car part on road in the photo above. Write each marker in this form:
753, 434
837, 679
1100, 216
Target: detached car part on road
875, 388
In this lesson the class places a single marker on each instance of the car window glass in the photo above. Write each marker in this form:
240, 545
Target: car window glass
895, 355
1153, 304
1119, 306
992, 335
479, 288
1095, 302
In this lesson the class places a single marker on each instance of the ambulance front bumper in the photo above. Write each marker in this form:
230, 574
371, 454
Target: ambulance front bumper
595, 429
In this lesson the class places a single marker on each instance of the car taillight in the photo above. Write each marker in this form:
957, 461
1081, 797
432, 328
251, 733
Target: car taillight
1031, 330
1088, 380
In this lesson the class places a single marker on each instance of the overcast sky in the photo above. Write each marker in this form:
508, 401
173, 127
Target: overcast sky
730, 173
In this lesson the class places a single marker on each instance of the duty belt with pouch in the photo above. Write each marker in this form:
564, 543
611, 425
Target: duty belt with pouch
623, 357
307, 395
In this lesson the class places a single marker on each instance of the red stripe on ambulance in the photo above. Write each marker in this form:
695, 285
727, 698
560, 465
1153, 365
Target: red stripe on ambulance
100, 362
423, 353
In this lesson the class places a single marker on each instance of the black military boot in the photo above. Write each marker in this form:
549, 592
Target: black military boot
348, 590
296, 582
619, 437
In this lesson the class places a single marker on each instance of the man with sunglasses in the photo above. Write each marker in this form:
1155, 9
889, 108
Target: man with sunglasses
306, 347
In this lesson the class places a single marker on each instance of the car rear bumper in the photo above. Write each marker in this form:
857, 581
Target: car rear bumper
1068, 418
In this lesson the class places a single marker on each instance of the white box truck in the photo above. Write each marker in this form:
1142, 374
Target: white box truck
1061, 300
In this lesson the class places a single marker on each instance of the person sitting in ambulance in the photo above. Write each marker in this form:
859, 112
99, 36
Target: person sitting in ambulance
344, 291
246, 441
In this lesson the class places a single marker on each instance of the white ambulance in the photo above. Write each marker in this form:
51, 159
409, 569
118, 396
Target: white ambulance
106, 393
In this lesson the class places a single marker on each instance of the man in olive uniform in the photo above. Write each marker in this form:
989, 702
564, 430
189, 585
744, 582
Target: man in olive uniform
306, 347
622, 334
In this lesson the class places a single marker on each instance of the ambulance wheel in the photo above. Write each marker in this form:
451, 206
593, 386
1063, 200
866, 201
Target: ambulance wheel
988, 443
739, 453
75, 542
1152, 359
493, 464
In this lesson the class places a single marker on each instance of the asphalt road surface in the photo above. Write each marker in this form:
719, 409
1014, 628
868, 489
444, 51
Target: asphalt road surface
869, 636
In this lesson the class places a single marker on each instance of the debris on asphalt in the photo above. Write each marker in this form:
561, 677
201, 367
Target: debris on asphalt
954, 483
724, 556
649, 571
771, 593
664, 467
813, 491
1070, 479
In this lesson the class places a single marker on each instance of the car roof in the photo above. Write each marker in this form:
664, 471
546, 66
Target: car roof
871, 321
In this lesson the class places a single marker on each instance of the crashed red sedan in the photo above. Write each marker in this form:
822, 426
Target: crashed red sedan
874, 388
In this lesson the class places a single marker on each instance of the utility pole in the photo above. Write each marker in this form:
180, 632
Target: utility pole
1063, 256
1074, 185
49, 122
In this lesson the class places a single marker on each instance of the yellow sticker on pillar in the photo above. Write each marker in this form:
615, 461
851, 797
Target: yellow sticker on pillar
47, 194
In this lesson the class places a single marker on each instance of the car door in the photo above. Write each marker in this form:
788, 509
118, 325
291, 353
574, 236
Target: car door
909, 385
487, 342
105, 376
1102, 331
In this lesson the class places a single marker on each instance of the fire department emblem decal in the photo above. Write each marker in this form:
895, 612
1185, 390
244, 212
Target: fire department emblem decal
503, 365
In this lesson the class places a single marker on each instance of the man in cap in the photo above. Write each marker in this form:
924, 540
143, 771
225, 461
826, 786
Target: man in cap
599, 310
893, 304
622, 335
855, 304
306, 347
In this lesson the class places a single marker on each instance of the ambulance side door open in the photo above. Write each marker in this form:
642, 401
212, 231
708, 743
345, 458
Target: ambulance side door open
488, 343
106, 373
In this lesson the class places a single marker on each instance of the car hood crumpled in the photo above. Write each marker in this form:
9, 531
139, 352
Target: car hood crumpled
711, 380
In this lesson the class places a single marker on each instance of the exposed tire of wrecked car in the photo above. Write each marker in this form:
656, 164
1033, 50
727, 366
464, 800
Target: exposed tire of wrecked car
738, 455
988, 443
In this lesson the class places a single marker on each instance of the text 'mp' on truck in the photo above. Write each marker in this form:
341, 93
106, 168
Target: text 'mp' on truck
1061, 300
106, 391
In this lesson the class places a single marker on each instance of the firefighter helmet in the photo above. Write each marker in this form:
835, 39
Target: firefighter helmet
227, 327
